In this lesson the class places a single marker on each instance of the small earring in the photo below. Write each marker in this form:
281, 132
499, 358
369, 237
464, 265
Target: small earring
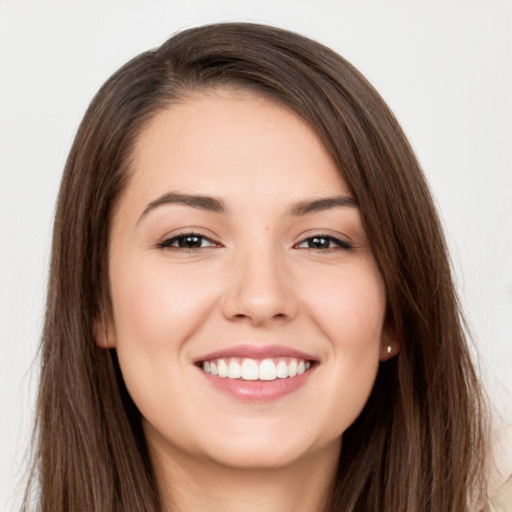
388, 350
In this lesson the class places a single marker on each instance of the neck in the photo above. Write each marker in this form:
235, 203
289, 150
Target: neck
190, 485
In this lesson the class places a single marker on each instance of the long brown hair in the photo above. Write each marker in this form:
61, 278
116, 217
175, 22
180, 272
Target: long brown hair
418, 445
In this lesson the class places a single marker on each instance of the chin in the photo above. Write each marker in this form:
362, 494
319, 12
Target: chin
254, 460
269, 451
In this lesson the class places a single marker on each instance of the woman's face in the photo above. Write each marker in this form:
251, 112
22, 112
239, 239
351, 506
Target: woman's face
248, 308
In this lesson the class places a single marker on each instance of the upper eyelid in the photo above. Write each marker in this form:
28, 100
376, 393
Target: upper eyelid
189, 232
327, 233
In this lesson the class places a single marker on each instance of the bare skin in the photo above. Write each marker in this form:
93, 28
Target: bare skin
188, 486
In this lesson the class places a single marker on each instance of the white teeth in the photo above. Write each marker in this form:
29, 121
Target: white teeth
234, 370
267, 370
222, 368
249, 369
254, 369
282, 369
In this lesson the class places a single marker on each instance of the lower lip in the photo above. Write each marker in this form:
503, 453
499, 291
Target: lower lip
258, 390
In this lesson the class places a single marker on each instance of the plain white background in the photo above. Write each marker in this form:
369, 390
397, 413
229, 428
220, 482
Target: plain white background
445, 68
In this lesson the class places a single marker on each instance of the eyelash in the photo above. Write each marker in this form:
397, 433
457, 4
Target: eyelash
334, 243
167, 244
337, 243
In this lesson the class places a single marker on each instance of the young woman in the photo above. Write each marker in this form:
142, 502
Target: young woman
250, 303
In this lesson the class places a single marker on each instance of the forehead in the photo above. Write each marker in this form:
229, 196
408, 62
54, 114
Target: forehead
227, 143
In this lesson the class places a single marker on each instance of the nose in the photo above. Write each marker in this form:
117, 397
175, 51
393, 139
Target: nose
260, 289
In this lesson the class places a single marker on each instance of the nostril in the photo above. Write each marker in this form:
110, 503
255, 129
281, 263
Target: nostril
259, 302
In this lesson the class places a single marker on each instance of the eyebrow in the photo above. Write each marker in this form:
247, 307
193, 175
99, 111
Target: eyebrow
212, 204
217, 205
319, 205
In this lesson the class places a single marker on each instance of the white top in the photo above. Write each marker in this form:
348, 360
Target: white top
502, 500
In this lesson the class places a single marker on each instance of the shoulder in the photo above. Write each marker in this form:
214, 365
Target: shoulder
501, 501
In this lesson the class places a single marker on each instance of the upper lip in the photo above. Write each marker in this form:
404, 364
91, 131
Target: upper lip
256, 352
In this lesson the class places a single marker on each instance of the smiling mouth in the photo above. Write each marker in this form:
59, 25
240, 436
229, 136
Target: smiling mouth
248, 369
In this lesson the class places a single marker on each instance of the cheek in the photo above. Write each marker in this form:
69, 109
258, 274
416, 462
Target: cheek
159, 307
349, 306
156, 312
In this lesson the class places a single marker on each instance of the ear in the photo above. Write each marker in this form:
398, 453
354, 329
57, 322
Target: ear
104, 332
389, 344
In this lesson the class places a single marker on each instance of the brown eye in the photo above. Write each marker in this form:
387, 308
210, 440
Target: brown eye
324, 243
188, 241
